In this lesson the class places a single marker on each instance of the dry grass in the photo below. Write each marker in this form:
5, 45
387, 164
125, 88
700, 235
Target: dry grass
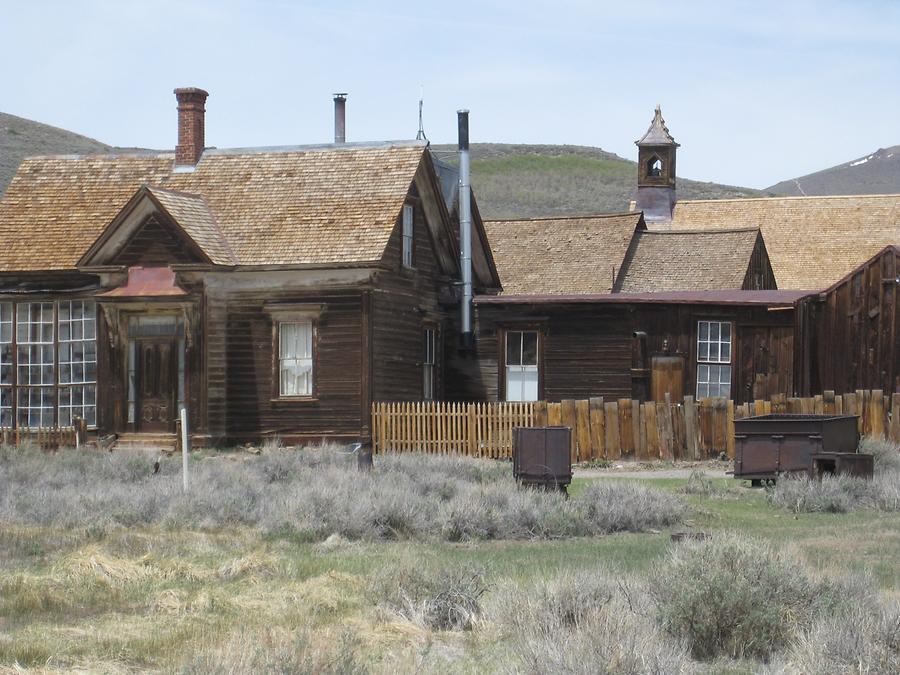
315, 493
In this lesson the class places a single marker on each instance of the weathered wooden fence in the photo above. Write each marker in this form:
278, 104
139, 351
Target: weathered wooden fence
46, 438
609, 429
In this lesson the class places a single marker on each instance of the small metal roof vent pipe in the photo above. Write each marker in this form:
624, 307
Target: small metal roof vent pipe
340, 118
467, 337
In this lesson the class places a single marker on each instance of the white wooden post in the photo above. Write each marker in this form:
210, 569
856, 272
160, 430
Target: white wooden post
184, 448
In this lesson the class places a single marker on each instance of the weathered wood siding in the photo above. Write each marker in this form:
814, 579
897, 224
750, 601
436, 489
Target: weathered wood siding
760, 276
404, 302
589, 350
850, 335
155, 243
252, 405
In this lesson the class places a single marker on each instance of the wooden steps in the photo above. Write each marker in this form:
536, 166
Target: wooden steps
157, 442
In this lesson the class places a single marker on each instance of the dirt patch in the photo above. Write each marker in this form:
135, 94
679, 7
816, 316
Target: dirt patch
631, 469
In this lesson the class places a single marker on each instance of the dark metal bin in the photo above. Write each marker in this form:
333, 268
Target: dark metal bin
849, 463
541, 456
769, 445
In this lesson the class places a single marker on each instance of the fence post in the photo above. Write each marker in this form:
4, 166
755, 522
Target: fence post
690, 426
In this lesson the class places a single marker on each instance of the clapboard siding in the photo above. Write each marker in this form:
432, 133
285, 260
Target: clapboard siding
253, 408
155, 243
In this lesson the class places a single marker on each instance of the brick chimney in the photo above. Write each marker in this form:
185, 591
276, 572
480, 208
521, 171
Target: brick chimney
191, 126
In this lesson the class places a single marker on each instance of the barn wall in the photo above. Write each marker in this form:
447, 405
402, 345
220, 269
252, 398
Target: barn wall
858, 320
591, 350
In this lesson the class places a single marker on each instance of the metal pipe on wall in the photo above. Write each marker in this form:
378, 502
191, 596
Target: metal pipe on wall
467, 337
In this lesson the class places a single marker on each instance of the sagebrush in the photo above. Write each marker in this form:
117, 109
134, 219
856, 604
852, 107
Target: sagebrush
313, 493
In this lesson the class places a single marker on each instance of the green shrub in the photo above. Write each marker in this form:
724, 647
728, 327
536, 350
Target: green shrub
738, 597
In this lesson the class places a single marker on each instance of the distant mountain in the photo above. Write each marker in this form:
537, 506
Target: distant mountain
878, 173
20, 138
550, 180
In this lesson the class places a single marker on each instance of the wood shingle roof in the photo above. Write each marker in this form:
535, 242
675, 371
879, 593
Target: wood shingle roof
812, 241
690, 260
316, 205
571, 255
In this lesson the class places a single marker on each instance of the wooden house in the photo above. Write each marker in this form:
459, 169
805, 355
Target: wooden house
849, 334
601, 306
269, 290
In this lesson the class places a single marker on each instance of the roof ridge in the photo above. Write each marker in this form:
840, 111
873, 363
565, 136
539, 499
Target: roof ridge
564, 217
730, 230
792, 197
180, 193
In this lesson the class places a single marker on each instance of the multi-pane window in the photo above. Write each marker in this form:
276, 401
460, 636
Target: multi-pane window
713, 359
407, 235
77, 361
428, 363
295, 358
35, 376
521, 365
6, 364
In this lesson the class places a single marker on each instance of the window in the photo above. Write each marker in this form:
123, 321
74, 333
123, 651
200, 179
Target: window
521, 365
295, 358
35, 377
6, 364
407, 235
77, 362
654, 167
713, 359
428, 363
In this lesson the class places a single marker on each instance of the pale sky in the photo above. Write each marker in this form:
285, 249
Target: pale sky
755, 92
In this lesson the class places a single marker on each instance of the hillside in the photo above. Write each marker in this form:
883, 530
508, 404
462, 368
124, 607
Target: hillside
547, 180
20, 138
877, 173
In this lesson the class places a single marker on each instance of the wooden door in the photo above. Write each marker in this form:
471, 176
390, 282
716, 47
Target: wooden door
667, 375
766, 365
157, 370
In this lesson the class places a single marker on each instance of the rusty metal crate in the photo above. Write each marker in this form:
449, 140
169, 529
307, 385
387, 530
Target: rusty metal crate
541, 456
847, 463
769, 445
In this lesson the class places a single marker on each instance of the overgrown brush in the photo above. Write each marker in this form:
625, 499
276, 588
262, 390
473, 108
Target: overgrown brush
311, 494
589, 622
856, 640
738, 597
842, 493
438, 598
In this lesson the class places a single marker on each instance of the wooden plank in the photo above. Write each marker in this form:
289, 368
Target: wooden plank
650, 408
729, 439
793, 406
643, 452
554, 414
828, 402
819, 404
583, 429
665, 429
862, 401
626, 429
690, 428
540, 413
876, 413
598, 428
807, 406
568, 420
895, 418
612, 441
779, 403
636, 427
838, 405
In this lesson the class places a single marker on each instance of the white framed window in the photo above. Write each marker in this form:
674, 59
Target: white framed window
522, 365
6, 364
35, 377
429, 363
295, 358
77, 349
713, 359
407, 235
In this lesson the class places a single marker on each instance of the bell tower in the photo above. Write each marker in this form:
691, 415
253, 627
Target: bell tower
656, 171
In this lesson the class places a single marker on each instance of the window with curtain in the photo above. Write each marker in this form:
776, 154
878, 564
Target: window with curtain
713, 359
295, 358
